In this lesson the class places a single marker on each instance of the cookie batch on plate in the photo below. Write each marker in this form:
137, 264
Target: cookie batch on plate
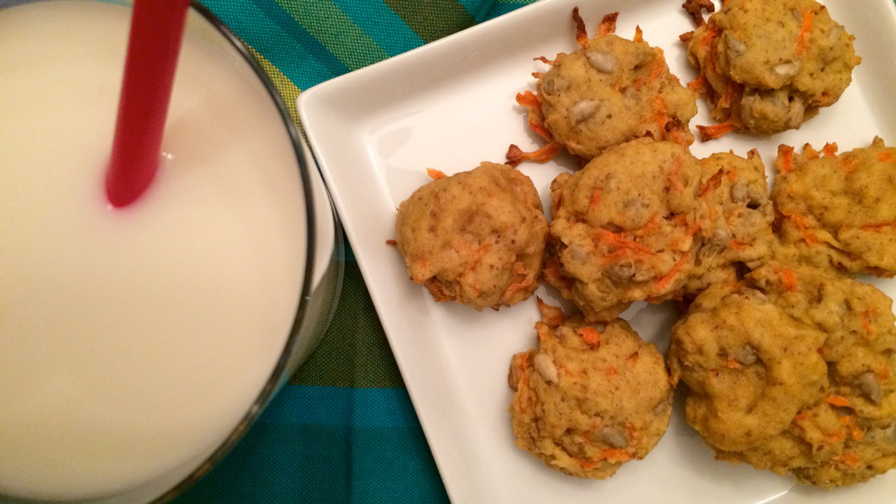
786, 361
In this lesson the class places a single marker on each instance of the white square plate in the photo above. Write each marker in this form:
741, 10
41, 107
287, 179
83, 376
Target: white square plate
450, 105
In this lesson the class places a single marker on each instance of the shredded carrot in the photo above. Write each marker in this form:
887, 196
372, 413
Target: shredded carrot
836, 437
518, 286
732, 363
809, 152
883, 373
619, 241
674, 181
622, 253
538, 127
866, 324
729, 95
715, 131
590, 335
848, 163
581, 33
686, 37
801, 417
528, 99
788, 279
551, 315
612, 371
805, 31
595, 198
886, 157
587, 464
391, 242
607, 24
712, 31
659, 64
544, 60
552, 272
738, 245
664, 282
435, 174
835, 400
802, 225
515, 155
537, 75
615, 455
639, 35
830, 149
714, 182
850, 459
877, 228
698, 84
854, 430
785, 154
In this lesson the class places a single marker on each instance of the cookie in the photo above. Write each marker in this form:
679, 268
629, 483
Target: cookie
477, 237
794, 371
736, 220
838, 210
766, 67
623, 227
589, 398
610, 91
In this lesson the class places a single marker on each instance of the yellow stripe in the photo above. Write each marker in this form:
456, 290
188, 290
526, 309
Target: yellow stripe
288, 91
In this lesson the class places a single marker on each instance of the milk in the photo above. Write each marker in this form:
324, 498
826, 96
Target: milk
133, 341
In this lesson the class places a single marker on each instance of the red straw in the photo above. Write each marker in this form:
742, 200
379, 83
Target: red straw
157, 27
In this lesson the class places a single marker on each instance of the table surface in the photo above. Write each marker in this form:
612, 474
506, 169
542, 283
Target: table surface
343, 430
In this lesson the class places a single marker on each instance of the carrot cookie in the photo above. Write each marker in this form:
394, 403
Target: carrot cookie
766, 67
736, 233
838, 210
610, 91
792, 370
589, 398
623, 227
477, 237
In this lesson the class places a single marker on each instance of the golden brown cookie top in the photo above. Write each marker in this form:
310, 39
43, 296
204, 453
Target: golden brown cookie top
590, 397
612, 90
793, 370
475, 237
736, 219
623, 227
838, 209
766, 66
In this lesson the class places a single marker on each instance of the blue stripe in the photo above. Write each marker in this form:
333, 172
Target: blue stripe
328, 444
477, 8
271, 31
338, 406
381, 24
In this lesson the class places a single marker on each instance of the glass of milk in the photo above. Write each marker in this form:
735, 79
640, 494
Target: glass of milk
137, 345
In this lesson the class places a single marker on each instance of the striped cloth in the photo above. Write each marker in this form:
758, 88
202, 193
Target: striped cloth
343, 430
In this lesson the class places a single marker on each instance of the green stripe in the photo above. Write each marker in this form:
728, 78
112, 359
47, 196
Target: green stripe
354, 351
337, 32
433, 19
